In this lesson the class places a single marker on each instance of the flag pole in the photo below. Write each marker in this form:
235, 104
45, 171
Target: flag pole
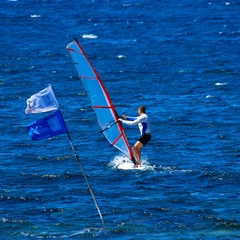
85, 177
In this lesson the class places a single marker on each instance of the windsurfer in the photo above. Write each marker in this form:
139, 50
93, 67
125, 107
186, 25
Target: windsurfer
145, 129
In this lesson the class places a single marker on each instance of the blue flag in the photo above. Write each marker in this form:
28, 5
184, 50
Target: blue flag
47, 127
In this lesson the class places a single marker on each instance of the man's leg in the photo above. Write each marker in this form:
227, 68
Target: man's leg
137, 152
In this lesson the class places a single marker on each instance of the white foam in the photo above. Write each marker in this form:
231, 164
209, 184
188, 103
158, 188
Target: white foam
35, 16
91, 36
117, 161
220, 84
172, 169
209, 96
121, 56
122, 162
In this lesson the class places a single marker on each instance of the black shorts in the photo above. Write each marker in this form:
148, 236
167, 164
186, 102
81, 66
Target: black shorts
144, 139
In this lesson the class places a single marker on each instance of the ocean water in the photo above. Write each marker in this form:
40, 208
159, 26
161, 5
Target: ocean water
178, 58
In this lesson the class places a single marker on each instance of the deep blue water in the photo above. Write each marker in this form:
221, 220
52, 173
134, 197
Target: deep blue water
181, 60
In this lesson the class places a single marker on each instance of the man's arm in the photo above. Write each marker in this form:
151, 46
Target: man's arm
133, 121
130, 118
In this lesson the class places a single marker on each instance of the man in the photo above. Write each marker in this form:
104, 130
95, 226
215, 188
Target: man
145, 129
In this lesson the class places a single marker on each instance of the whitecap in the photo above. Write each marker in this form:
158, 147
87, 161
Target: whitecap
209, 96
91, 36
35, 16
121, 56
96, 231
51, 176
220, 84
